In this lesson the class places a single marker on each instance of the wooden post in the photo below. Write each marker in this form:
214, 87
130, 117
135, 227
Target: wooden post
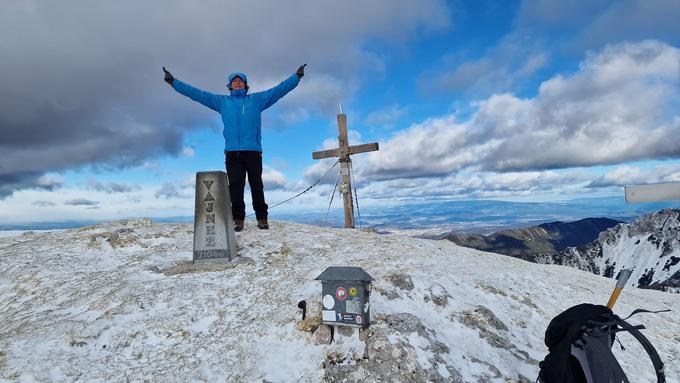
343, 152
346, 186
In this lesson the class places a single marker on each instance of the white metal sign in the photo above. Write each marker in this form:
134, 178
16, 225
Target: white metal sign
653, 192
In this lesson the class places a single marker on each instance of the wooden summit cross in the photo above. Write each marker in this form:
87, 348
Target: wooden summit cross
344, 151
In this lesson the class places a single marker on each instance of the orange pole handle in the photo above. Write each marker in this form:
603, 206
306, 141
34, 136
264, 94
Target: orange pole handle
620, 284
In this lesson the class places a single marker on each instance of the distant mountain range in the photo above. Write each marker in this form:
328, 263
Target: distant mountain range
547, 238
432, 216
650, 246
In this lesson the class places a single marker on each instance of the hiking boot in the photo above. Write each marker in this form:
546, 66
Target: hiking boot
238, 224
263, 224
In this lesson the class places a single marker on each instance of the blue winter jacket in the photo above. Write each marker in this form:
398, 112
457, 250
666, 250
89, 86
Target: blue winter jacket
241, 112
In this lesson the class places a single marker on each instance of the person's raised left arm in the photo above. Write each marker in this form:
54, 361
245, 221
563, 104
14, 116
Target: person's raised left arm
271, 96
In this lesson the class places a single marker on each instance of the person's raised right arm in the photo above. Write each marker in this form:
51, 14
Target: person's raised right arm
211, 100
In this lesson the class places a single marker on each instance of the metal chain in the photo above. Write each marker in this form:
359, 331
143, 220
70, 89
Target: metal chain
304, 191
356, 195
337, 179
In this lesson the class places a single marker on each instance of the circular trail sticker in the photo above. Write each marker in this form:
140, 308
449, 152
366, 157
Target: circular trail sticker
341, 294
359, 319
353, 292
328, 301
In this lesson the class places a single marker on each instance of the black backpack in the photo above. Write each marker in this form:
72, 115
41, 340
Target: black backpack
579, 342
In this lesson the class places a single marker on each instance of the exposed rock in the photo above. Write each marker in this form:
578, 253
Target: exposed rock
119, 238
401, 280
491, 329
438, 295
188, 267
391, 358
309, 324
496, 373
389, 294
339, 358
137, 222
322, 335
480, 317
493, 290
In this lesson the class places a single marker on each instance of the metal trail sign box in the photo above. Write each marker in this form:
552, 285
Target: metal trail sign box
344, 292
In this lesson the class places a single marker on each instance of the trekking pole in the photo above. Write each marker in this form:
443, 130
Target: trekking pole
620, 284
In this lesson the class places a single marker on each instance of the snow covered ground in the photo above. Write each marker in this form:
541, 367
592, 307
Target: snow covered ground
122, 302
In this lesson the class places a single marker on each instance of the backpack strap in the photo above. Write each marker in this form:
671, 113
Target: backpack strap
593, 351
638, 311
598, 363
647, 345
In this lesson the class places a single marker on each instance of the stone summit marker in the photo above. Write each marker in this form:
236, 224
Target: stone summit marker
214, 238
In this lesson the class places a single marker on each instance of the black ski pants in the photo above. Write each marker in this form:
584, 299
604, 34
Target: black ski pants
240, 163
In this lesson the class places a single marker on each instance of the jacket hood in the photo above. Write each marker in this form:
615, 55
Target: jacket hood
238, 92
239, 74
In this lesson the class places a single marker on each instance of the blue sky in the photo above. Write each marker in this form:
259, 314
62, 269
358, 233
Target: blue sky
539, 100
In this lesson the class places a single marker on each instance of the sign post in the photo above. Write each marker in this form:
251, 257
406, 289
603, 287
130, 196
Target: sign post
214, 238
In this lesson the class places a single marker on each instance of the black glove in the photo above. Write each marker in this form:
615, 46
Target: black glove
301, 71
168, 77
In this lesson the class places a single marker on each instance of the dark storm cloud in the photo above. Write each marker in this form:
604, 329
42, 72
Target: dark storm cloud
81, 81
81, 202
11, 181
43, 203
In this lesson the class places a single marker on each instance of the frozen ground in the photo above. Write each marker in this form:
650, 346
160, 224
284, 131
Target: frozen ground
121, 302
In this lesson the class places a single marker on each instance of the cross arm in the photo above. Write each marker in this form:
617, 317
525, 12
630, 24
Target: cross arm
372, 147
363, 148
326, 154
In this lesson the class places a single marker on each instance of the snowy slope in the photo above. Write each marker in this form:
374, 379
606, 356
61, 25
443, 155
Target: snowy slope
650, 246
121, 302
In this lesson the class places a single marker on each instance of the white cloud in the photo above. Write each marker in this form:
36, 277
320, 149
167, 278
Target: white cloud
171, 190
434, 147
49, 182
325, 170
273, 179
620, 106
514, 59
111, 187
79, 202
189, 181
632, 175
188, 152
474, 184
